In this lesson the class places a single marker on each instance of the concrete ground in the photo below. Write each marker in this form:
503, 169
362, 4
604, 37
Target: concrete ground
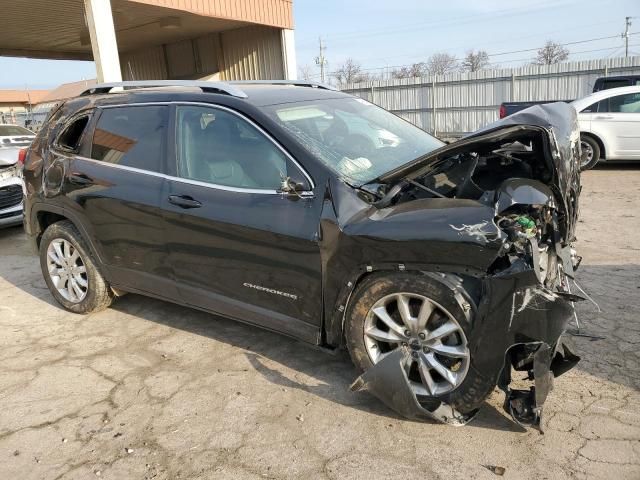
150, 390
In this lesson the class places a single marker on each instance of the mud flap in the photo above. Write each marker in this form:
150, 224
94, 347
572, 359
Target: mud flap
388, 381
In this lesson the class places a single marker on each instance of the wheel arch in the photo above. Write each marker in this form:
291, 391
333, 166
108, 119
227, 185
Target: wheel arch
334, 327
45, 215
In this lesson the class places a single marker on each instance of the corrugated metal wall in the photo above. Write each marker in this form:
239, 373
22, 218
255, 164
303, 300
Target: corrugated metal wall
252, 53
146, 64
248, 53
465, 102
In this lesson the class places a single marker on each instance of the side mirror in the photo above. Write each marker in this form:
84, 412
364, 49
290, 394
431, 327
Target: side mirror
293, 187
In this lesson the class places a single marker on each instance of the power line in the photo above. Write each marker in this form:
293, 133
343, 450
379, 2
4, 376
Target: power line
440, 22
517, 51
508, 61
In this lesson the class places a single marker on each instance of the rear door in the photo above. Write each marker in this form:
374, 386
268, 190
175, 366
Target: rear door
236, 245
116, 186
617, 121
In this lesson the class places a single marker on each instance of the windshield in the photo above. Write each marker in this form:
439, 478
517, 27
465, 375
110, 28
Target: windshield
353, 137
13, 130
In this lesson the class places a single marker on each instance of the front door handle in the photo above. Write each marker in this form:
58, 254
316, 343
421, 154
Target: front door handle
184, 201
80, 179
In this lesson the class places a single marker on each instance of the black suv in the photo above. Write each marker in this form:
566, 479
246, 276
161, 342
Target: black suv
300, 209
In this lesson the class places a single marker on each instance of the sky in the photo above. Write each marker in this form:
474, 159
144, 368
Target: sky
383, 34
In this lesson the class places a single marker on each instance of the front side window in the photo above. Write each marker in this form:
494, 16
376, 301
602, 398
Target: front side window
131, 136
353, 137
221, 148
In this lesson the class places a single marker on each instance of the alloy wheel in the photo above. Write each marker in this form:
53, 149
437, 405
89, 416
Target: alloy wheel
587, 153
67, 271
439, 354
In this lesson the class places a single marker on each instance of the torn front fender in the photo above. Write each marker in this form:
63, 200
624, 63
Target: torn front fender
388, 381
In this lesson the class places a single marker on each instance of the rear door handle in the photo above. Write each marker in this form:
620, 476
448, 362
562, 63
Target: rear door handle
184, 201
603, 117
80, 179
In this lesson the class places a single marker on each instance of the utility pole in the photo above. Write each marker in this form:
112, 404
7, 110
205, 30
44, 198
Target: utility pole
321, 61
625, 35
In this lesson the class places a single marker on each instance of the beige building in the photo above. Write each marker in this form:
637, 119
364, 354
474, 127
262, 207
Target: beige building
157, 39
18, 101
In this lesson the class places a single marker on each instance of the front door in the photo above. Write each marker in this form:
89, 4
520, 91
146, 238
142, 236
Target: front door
236, 245
618, 120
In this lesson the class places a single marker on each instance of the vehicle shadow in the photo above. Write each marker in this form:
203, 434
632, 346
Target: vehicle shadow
606, 351
332, 372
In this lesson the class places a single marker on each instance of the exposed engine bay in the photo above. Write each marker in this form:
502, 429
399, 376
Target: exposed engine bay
527, 173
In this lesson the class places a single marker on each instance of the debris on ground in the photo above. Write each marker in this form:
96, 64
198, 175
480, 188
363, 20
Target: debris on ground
495, 469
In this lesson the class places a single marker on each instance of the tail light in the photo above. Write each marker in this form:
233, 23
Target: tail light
503, 111
22, 155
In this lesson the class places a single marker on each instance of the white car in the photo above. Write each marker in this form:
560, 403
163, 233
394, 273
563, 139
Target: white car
15, 136
609, 125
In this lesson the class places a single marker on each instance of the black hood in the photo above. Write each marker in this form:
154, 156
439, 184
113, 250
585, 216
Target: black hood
556, 123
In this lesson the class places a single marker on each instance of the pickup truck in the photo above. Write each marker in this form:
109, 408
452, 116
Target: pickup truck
602, 83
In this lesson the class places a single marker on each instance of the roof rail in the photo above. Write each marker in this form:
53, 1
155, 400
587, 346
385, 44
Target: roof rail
295, 83
210, 87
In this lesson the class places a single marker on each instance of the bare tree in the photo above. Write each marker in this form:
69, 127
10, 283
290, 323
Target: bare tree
442, 63
305, 72
350, 72
474, 61
551, 53
411, 71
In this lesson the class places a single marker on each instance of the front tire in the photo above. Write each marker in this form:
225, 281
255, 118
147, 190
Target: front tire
389, 310
590, 152
70, 271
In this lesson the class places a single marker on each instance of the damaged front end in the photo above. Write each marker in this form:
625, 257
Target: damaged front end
525, 169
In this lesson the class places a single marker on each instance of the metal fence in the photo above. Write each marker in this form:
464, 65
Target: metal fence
452, 105
32, 120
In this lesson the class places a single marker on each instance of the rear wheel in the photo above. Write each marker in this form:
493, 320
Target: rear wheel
590, 152
70, 271
423, 315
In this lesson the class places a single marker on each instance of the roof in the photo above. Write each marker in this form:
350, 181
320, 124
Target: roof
22, 96
67, 90
602, 94
263, 95
258, 93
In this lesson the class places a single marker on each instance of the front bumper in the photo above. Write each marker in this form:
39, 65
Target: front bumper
13, 213
515, 314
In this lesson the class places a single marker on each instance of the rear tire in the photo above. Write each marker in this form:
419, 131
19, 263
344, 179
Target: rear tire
71, 272
467, 395
590, 152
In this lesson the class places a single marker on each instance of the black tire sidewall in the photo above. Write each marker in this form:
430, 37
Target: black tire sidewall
596, 152
97, 289
471, 393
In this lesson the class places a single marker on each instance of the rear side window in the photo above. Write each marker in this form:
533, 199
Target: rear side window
70, 137
132, 137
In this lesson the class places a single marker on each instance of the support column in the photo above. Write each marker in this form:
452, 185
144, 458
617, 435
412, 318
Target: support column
289, 54
103, 40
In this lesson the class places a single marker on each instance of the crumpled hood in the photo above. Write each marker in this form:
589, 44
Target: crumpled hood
558, 122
